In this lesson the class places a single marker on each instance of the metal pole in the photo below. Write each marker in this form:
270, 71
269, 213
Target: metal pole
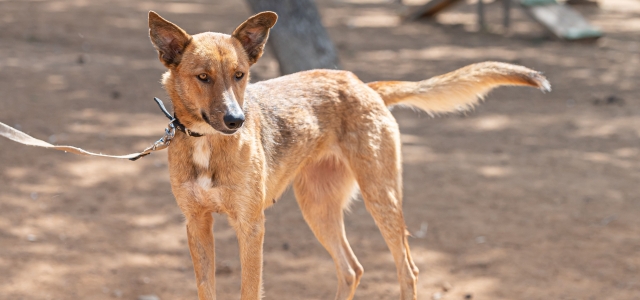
506, 5
481, 23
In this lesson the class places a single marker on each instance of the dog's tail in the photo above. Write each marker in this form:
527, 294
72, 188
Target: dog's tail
458, 90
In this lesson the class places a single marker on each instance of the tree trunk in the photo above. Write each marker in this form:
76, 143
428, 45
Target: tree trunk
298, 39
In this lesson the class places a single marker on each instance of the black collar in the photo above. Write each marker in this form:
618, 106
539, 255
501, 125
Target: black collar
174, 120
180, 127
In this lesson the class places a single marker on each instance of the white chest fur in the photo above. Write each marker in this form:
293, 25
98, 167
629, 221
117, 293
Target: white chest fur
204, 182
201, 153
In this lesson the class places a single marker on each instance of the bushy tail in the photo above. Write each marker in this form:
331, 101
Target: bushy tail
458, 90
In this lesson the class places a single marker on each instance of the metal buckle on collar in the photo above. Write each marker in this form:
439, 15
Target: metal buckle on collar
191, 133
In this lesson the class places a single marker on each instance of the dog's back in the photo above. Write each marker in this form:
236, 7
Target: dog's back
308, 116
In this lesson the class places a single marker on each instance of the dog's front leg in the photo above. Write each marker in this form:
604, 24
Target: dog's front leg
250, 231
201, 246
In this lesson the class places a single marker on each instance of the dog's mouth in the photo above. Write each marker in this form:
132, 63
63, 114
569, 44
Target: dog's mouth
205, 118
228, 131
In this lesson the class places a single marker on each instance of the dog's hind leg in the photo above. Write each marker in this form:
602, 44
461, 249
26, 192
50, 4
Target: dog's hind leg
375, 159
323, 190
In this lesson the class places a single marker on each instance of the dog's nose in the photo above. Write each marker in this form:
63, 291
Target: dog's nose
233, 120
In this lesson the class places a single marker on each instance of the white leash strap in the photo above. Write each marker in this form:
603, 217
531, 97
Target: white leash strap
25, 139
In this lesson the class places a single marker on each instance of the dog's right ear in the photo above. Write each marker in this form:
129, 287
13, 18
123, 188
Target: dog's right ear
169, 39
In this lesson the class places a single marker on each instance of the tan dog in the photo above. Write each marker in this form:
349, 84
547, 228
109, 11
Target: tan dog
323, 130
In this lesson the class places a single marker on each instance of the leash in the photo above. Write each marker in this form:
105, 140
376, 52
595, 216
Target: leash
164, 142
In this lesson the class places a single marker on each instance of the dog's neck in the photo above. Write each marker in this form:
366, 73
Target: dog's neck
180, 127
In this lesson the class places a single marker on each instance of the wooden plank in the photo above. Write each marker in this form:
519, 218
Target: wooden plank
582, 2
561, 20
430, 9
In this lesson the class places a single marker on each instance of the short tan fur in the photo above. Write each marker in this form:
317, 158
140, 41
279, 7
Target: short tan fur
323, 131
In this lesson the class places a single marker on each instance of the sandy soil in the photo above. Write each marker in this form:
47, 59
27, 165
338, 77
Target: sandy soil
530, 196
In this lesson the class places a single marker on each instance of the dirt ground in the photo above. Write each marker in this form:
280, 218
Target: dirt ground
530, 196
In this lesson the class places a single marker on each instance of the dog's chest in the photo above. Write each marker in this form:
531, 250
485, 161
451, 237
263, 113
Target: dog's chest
201, 154
201, 159
203, 188
219, 177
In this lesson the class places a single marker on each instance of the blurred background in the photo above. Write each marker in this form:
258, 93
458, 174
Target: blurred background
529, 196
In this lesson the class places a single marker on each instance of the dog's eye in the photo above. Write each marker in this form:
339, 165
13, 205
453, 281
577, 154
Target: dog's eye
239, 75
203, 77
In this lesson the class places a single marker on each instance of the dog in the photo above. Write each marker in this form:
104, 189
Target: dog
323, 131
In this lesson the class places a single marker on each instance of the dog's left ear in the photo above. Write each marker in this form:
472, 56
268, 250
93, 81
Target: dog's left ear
169, 39
254, 32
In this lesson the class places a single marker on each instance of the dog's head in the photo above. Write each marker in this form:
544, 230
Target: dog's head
208, 72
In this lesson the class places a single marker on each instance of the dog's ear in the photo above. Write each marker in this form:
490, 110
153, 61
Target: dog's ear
254, 32
169, 39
